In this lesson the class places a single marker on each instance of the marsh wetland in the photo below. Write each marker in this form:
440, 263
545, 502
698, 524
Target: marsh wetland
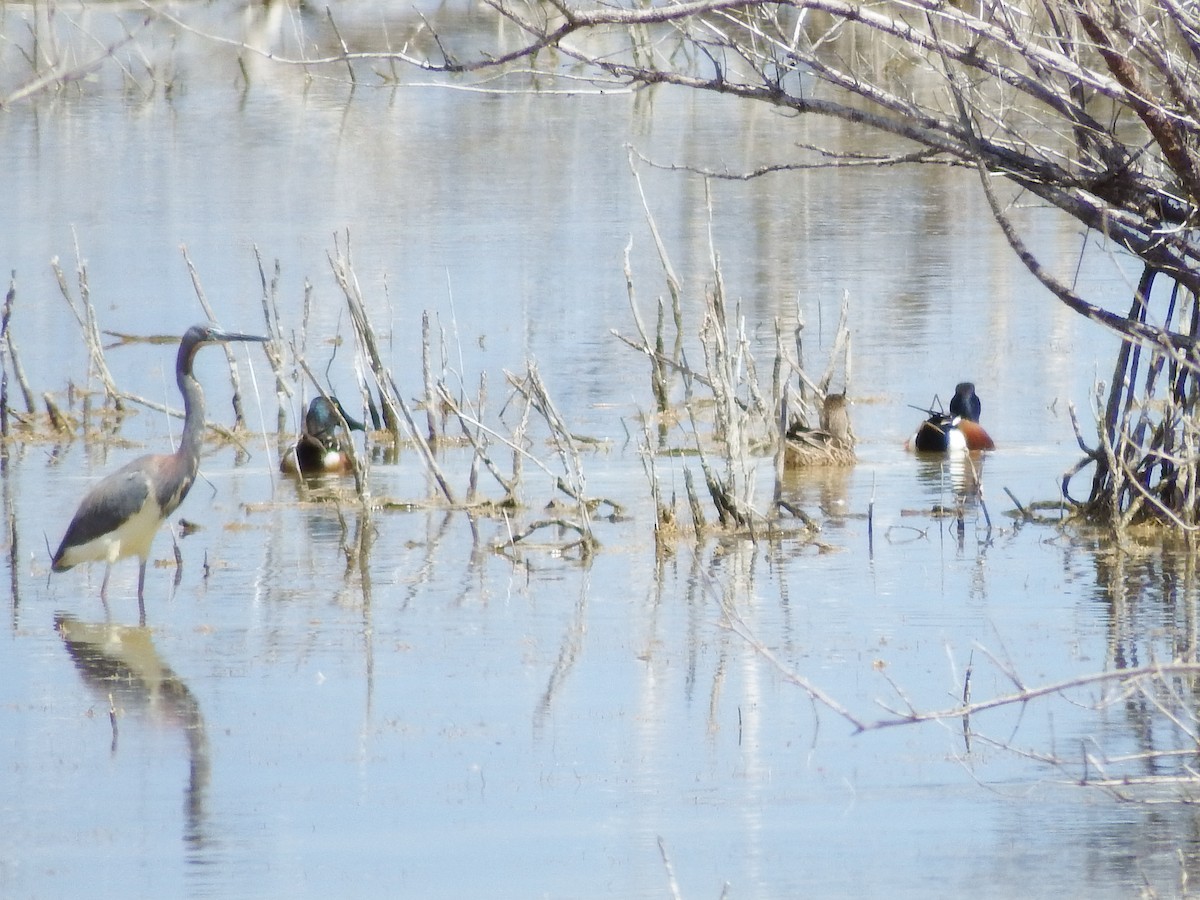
397, 699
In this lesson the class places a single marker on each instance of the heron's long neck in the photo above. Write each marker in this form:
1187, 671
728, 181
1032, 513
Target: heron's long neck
193, 418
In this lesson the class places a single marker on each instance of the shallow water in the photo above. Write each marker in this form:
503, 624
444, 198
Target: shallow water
442, 720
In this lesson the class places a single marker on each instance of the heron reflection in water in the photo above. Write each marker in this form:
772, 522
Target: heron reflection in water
121, 666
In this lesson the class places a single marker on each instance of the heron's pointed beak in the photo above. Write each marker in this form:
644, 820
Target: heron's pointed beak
238, 336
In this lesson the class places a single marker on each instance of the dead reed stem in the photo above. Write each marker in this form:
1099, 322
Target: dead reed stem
239, 415
779, 394
572, 482
270, 308
658, 381
393, 401
9, 349
665, 522
4, 355
473, 477
427, 379
725, 361
477, 434
699, 524
85, 316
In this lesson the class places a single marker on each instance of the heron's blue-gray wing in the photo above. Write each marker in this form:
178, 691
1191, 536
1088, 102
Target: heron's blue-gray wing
173, 477
114, 499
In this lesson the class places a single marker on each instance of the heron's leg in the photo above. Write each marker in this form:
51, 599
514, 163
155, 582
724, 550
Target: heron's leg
104, 583
178, 557
141, 586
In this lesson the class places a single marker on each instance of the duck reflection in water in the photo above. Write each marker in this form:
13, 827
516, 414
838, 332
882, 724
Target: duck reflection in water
959, 473
321, 447
956, 431
121, 666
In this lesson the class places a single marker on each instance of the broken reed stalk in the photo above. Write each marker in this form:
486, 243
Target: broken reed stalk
390, 396
517, 445
476, 434
427, 378
479, 439
15, 574
574, 485
305, 315
729, 373
674, 286
729, 513
239, 415
85, 316
58, 421
840, 351
112, 721
660, 357
422, 445
572, 482
4, 355
444, 350
757, 405
779, 395
811, 394
699, 523
343, 273
733, 493
871, 520
9, 348
658, 381
679, 367
346, 55
664, 515
270, 308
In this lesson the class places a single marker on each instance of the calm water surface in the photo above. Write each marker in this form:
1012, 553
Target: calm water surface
443, 721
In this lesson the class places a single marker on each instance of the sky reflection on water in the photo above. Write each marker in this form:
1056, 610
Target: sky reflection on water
461, 725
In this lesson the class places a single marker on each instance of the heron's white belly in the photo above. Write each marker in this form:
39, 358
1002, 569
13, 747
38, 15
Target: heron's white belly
131, 538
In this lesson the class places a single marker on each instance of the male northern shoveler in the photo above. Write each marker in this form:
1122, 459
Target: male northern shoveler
958, 430
832, 445
319, 447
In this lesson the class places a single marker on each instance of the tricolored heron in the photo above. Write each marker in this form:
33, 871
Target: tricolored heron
121, 513
319, 447
958, 430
